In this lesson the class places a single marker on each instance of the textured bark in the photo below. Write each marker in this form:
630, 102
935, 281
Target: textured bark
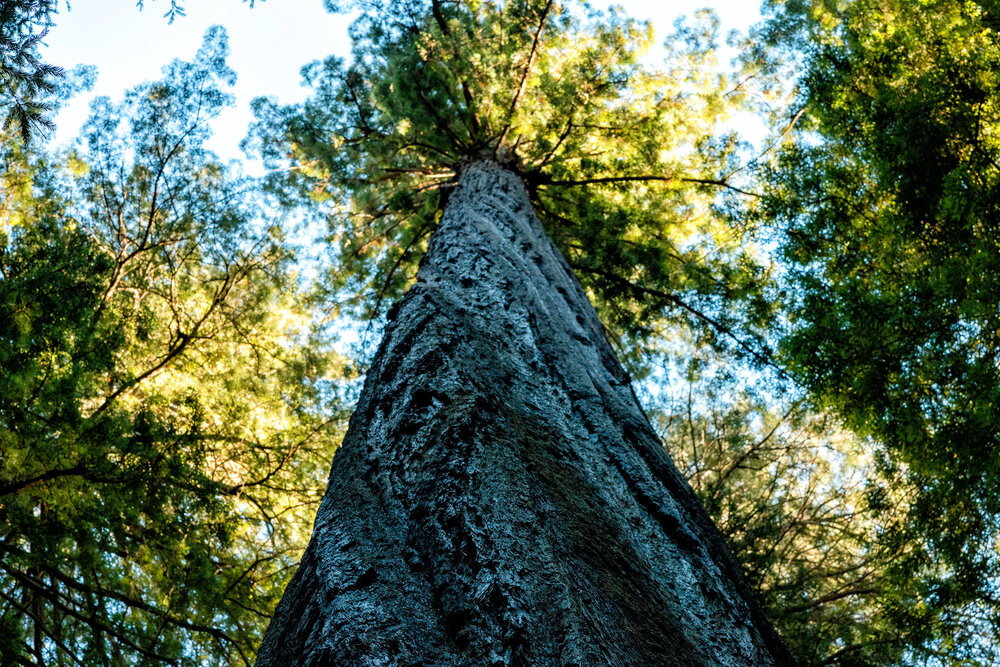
500, 497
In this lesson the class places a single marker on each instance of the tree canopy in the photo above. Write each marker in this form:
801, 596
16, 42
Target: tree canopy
159, 379
626, 163
885, 202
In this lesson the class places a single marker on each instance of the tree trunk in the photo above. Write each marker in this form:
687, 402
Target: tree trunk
500, 497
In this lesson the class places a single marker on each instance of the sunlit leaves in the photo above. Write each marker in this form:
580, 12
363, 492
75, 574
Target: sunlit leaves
625, 162
167, 414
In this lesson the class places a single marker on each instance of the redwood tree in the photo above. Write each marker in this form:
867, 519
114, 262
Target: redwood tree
500, 497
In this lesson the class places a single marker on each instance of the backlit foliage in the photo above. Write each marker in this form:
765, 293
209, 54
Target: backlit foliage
24, 78
626, 163
165, 421
822, 522
886, 203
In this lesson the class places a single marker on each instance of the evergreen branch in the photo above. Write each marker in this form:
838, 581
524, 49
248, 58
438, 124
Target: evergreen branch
524, 74
440, 122
562, 137
425, 226
775, 142
14, 487
831, 597
422, 171
750, 451
466, 91
546, 180
97, 624
39, 624
177, 346
135, 603
287, 456
835, 658
430, 147
677, 301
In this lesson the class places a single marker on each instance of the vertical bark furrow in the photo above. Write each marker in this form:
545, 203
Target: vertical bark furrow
500, 499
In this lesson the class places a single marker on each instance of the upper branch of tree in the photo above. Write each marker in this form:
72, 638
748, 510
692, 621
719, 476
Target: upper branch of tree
759, 356
524, 74
543, 179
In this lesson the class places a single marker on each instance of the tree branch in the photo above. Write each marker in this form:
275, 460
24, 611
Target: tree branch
545, 180
524, 74
675, 300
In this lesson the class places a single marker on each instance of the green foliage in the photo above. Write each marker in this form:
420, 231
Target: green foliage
887, 201
820, 520
24, 79
625, 163
165, 417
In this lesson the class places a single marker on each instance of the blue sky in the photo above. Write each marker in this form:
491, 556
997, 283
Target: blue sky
269, 45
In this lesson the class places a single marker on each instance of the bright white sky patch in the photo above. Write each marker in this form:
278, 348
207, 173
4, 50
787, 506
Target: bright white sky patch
269, 44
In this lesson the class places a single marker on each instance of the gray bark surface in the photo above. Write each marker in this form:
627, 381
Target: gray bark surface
500, 497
